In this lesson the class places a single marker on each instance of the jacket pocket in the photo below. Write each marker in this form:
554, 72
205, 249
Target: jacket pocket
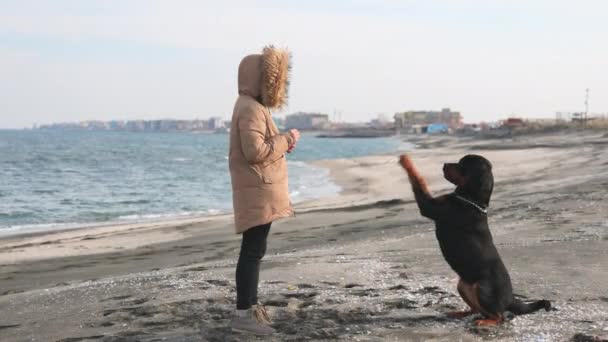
257, 170
274, 171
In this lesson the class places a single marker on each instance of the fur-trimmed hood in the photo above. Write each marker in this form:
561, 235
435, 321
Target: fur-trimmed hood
265, 77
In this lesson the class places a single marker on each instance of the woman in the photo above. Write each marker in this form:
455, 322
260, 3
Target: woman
259, 174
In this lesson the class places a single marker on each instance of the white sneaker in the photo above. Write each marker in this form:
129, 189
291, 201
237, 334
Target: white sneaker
249, 325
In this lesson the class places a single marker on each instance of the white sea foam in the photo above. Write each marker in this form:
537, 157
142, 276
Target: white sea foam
308, 182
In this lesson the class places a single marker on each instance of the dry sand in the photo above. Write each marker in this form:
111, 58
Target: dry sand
363, 265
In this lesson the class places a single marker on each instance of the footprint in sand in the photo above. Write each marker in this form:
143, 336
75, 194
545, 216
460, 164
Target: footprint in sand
8, 292
366, 293
2, 327
398, 287
116, 298
400, 304
197, 269
85, 338
276, 301
218, 282
300, 295
306, 304
132, 312
136, 301
429, 289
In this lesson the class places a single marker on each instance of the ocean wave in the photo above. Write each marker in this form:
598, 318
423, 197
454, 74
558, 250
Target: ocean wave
298, 163
146, 217
309, 182
135, 218
139, 201
70, 171
44, 227
16, 214
97, 216
45, 192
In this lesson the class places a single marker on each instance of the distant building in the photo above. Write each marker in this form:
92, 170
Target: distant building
136, 125
152, 125
168, 125
94, 125
165, 125
117, 125
183, 125
216, 123
199, 125
513, 122
411, 119
306, 121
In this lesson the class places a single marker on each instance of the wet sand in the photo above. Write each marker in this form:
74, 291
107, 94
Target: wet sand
363, 265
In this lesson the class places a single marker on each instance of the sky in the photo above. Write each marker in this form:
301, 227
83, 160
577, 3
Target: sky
73, 60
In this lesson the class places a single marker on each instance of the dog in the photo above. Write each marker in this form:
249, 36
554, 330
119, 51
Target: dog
465, 240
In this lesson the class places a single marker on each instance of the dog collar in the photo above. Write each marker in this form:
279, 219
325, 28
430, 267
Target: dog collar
477, 206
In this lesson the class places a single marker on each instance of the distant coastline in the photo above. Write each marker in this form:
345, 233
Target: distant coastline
214, 124
358, 133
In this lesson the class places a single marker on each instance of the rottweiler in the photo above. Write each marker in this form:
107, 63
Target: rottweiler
461, 221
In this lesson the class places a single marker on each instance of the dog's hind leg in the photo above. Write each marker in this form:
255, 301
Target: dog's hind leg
489, 306
468, 293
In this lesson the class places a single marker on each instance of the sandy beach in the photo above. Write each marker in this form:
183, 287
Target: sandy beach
359, 266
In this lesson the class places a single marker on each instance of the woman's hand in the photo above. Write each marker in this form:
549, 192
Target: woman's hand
295, 136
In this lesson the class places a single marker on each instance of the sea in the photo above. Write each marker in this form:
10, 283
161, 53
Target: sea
62, 179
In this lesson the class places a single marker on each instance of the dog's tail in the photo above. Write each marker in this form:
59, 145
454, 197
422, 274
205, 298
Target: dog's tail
520, 308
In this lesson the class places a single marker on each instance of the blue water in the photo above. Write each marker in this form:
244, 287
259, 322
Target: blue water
50, 179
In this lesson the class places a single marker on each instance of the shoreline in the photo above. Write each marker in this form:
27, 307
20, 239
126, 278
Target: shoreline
28, 230
369, 269
33, 239
24, 230
33, 230
358, 178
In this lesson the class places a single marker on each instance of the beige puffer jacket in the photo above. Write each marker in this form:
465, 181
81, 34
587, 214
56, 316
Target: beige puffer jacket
257, 150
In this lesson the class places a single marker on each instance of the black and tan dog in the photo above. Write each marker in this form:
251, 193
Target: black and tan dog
465, 240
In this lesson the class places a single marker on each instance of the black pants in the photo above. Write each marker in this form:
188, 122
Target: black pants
253, 248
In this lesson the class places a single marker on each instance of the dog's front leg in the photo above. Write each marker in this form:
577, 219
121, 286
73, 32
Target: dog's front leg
425, 201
